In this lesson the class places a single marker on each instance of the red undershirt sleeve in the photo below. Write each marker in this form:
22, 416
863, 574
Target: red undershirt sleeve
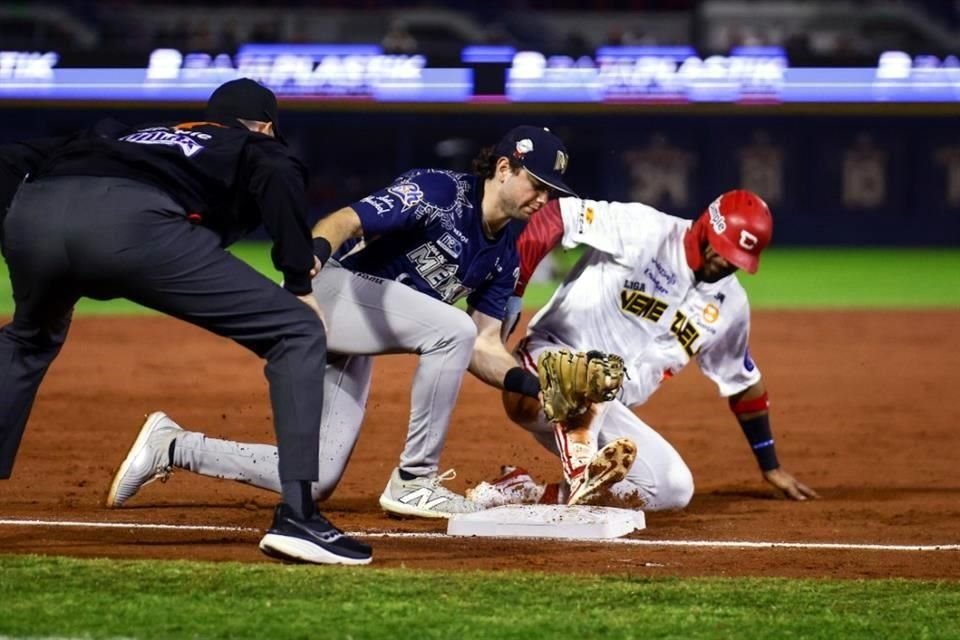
541, 235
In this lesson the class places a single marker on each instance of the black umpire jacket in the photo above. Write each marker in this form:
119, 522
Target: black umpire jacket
225, 177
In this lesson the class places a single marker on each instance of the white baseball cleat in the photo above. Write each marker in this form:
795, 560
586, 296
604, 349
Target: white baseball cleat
424, 497
514, 486
609, 466
147, 460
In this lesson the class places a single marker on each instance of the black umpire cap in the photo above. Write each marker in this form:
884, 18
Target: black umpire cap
247, 99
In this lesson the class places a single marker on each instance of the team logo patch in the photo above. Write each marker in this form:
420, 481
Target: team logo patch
748, 362
711, 313
747, 240
717, 221
450, 244
589, 215
409, 193
523, 147
186, 142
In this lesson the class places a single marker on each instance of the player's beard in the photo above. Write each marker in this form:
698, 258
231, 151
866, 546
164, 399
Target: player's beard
709, 272
517, 211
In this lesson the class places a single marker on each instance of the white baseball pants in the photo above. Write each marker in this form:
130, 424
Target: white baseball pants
365, 316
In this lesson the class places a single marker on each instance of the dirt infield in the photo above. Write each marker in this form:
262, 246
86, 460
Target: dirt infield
865, 406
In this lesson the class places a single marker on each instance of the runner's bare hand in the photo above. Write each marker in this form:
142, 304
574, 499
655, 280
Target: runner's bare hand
790, 486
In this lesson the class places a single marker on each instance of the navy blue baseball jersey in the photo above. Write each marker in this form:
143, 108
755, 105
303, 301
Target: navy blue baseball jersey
426, 231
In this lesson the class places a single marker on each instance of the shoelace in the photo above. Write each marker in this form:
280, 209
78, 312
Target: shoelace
162, 474
449, 474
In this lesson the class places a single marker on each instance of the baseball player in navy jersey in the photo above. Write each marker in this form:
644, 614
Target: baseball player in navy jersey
660, 291
429, 239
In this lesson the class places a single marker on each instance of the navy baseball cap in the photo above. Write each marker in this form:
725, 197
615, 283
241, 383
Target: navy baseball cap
539, 152
247, 99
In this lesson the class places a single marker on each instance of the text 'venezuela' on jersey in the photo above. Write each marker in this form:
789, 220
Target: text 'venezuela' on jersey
426, 231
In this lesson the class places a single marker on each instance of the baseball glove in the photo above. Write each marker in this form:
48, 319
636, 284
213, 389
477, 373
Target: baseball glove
572, 382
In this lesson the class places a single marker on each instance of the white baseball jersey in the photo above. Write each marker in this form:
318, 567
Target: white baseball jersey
633, 293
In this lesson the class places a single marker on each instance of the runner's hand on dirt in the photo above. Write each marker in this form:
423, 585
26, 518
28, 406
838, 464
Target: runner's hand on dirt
790, 486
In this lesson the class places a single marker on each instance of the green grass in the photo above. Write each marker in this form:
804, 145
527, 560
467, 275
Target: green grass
41, 596
788, 278
856, 278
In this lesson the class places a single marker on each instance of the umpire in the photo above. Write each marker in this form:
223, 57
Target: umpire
144, 213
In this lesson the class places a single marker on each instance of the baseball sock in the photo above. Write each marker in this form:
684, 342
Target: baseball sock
296, 495
552, 494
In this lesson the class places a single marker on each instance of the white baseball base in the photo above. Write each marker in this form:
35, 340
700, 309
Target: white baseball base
548, 521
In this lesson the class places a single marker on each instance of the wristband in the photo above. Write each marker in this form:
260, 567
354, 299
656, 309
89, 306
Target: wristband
750, 406
760, 438
297, 283
322, 249
519, 380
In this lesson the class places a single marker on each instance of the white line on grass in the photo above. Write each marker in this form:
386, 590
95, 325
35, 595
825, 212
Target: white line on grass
713, 544
122, 525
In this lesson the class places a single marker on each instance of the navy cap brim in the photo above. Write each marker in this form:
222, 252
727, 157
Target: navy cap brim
555, 184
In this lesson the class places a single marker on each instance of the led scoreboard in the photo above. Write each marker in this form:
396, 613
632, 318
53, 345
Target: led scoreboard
612, 75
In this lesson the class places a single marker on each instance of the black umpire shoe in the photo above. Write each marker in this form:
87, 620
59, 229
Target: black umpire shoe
313, 540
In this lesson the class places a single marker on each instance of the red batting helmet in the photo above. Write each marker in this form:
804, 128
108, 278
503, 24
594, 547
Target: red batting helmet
738, 226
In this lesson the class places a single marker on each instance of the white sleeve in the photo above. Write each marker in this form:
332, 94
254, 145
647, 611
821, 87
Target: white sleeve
619, 229
727, 361
592, 223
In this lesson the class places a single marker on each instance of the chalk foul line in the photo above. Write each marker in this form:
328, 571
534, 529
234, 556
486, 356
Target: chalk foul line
710, 544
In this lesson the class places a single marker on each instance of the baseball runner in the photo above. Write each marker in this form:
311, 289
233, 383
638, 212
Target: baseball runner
661, 291
429, 239
144, 213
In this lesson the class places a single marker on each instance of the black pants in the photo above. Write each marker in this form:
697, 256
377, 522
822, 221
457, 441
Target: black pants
106, 238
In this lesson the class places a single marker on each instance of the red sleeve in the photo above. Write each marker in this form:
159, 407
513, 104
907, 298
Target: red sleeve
541, 234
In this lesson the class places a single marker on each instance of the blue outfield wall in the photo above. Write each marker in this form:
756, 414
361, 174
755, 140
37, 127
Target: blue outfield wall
832, 176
